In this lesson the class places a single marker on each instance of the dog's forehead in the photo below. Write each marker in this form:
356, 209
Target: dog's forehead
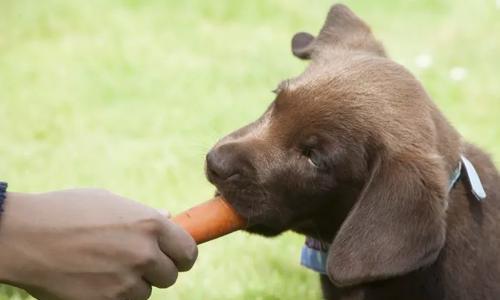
313, 77
316, 84
342, 92
337, 72
345, 75
336, 92
303, 103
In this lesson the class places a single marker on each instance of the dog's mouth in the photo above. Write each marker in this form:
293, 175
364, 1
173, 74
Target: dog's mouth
256, 208
259, 206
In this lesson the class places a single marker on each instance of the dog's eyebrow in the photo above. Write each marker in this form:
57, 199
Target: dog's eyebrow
281, 86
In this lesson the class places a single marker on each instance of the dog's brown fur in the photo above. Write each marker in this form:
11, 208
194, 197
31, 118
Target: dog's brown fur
354, 152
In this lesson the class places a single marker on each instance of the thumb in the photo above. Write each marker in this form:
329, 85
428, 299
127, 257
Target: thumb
167, 214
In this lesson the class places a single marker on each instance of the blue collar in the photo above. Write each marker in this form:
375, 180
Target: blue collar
315, 252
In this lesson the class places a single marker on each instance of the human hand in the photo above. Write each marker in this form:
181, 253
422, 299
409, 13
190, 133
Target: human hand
89, 244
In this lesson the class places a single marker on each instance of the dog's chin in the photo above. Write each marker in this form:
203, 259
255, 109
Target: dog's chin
258, 221
264, 230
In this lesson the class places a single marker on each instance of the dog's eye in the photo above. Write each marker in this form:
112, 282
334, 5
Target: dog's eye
311, 156
312, 162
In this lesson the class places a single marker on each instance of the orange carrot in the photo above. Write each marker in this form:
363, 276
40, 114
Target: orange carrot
210, 220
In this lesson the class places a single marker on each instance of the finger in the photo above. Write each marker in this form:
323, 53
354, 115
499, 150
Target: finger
178, 245
140, 291
163, 273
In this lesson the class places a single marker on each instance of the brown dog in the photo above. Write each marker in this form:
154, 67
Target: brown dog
354, 153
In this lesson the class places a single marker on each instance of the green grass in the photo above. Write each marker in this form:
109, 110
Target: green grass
129, 96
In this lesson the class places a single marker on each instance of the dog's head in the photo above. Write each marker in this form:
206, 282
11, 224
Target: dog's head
352, 149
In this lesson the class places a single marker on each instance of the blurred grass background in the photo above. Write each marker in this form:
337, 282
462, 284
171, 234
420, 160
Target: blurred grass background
129, 95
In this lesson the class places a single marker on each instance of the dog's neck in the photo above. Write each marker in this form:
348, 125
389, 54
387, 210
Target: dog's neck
448, 141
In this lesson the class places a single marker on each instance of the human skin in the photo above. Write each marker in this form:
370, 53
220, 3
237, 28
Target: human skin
89, 244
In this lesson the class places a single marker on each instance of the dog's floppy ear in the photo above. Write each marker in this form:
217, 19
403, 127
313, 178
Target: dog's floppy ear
342, 30
397, 224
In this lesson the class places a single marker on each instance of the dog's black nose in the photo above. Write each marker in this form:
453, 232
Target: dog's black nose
225, 162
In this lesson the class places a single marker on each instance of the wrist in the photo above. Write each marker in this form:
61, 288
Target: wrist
3, 194
11, 224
